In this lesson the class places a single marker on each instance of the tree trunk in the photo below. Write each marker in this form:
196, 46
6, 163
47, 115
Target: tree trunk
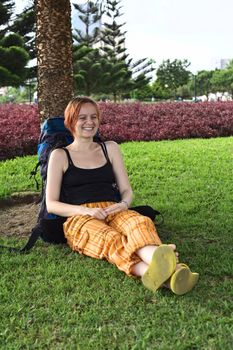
54, 55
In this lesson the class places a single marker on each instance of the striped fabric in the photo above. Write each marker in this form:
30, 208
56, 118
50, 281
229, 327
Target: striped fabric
116, 239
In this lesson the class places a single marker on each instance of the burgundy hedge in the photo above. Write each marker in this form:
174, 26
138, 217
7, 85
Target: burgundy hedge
20, 126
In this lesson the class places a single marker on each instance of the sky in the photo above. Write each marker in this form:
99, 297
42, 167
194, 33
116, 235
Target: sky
200, 30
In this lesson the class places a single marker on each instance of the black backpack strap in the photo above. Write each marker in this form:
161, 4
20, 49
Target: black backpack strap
104, 148
33, 174
35, 234
68, 156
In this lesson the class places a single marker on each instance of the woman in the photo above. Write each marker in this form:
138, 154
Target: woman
81, 185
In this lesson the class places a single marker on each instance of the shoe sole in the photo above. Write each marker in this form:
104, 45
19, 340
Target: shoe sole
162, 266
183, 280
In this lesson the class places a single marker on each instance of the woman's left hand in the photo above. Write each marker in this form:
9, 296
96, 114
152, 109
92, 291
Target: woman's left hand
116, 208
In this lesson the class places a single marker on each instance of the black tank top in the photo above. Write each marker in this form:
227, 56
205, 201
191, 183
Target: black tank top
81, 186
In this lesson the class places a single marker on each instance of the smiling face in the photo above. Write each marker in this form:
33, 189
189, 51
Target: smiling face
87, 121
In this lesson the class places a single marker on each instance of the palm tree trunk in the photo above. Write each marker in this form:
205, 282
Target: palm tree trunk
54, 55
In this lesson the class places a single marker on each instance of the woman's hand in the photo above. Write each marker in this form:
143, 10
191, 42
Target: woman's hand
116, 208
97, 213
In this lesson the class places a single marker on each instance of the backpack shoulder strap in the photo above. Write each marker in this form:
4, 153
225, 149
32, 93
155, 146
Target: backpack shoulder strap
33, 174
68, 156
104, 148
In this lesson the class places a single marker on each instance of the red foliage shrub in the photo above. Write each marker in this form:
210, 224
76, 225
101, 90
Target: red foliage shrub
166, 121
19, 130
20, 126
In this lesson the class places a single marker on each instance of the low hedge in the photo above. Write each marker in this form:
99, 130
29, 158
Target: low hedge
20, 125
19, 130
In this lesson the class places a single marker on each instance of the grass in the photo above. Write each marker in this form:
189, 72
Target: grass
55, 299
15, 176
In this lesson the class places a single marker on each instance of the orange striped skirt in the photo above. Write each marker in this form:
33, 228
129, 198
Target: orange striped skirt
115, 239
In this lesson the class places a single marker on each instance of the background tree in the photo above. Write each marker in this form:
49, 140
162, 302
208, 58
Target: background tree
230, 64
140, 70
88, 70
160, 91
125, 74
24, 24
87, 61
13, 56
114, 50
222, 80
185, 91
203, 82
54, 54
143, 94
93, 70
6, 11
173, 74
90, 15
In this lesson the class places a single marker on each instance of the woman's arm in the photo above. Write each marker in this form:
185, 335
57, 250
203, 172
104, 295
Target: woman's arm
56, 167
121, 176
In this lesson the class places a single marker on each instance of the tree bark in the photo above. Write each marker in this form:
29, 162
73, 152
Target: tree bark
54, 55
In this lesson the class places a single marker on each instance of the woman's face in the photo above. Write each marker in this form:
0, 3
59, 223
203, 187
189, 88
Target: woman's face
87, 121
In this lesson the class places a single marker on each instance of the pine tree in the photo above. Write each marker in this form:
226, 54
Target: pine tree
13, 56
113, 48
90, 15
126, 74
89, 65
105, 67
140, 70
6, 11
25, 25
87, 71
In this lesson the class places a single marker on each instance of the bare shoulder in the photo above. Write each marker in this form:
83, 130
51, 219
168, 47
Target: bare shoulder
58, 152
112, 147
58, 155
114, 152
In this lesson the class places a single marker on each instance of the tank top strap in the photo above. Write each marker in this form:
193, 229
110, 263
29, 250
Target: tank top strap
104, 148
68, 156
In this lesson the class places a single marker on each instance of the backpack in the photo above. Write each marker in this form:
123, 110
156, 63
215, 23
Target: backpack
49, 227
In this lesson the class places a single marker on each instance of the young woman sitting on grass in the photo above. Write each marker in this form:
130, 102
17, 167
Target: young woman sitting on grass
81, 186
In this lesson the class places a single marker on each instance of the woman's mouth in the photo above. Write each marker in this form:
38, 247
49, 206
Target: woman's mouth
88, 129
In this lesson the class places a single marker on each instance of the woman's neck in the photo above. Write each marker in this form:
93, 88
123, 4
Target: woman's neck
82, 145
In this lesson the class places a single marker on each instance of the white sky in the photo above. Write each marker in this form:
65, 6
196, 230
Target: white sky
199, 30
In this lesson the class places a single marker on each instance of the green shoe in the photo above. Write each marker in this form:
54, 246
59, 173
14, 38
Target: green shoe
162, 266
183, 280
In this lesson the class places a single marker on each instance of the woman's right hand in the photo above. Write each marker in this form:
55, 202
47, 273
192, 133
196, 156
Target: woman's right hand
97, 213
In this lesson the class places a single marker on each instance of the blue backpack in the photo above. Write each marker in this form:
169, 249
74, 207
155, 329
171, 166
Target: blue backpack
49, 227
53, 135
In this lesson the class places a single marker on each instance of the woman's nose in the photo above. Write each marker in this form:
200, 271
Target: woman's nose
89, 121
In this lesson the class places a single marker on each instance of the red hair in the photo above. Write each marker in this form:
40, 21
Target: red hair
73, 108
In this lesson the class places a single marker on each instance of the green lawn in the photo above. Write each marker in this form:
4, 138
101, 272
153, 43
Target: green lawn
52, 298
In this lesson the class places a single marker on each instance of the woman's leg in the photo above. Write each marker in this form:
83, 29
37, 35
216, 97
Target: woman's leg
139, 269
96, 239
146, 254
133, 253
142, 240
